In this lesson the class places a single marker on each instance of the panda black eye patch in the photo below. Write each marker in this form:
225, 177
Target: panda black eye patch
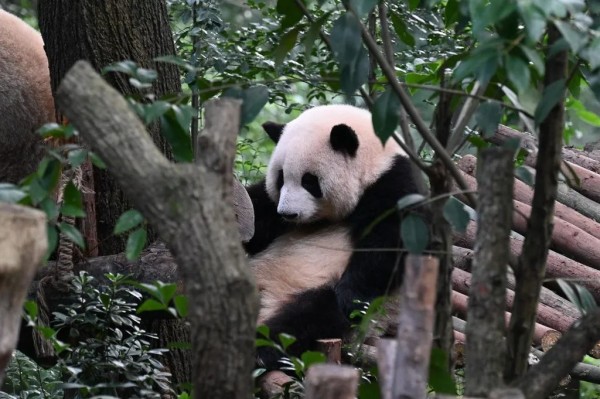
311, 184
280, 179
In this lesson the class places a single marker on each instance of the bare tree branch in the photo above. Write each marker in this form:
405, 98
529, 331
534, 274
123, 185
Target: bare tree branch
532, 262
558, 362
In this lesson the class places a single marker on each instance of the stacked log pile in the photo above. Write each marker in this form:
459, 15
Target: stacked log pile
575, 246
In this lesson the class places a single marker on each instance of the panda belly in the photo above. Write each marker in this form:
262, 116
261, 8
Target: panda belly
298, 261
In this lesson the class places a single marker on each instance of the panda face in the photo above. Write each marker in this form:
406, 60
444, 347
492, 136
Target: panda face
323, 161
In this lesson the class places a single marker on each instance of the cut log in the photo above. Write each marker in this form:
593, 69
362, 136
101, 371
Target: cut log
524, 193
23, 243
557, 265
460, 305
461, 282
567, 239
462, 260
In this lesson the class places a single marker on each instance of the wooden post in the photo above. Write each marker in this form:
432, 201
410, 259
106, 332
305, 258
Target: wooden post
23, 244
415, 327
330, 381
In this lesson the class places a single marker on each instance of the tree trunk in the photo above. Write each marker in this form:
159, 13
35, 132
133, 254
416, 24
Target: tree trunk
192, 204
488, 283
105, 32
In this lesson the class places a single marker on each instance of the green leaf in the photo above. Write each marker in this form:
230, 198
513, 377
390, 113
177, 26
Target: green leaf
11, 193
409, 200
313, 34
351, 55
582, 112
31, 309
310, 357
151, 112
77, 157
570, 293
534, 57
181, 304
525, 175
456, 214
49, 172
451, 12
96, 161
264, 330
50, 208
533, 19
72, 203
592, 53
52, 235
402, 30
355, 74
175, 129
488, 117
588, 303
518, 73
413, 4
292, 14
486, 13
286, 44
363, 7
551, 96
127, 67
414, 233
167, 291
128, 220
575, 38
255, 99
286, 340
151, 305
72, 234
135, 243
440, 380
385, 115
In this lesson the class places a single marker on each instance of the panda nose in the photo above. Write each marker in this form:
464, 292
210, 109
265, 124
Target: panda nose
288, 216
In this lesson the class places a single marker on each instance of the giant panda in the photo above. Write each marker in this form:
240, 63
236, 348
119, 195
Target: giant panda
326, 231
26, 101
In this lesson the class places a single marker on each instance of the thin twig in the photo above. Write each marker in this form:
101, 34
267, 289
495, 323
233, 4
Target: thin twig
366, 97
406, 102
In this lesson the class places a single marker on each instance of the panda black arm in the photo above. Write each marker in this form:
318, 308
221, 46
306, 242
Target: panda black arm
374, 273
268, 225
313, 314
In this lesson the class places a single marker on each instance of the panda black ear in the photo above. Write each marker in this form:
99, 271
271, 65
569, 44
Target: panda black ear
344, 139
274, 130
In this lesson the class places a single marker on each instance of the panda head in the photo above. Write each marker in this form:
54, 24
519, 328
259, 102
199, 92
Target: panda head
323, 162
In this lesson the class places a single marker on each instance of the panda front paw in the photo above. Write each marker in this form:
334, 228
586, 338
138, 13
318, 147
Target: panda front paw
269, 358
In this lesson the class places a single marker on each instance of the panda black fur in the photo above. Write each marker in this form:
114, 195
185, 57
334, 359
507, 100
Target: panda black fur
316, 250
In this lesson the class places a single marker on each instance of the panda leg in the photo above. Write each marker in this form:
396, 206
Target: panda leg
310, 316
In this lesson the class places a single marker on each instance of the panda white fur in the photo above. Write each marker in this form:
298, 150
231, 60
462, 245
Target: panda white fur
316, 248
26, 101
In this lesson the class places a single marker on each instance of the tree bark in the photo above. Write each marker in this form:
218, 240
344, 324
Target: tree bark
330, 381
23, 244
488, 283
542, 378
192, 205
415, 327
105, 32
532, 262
